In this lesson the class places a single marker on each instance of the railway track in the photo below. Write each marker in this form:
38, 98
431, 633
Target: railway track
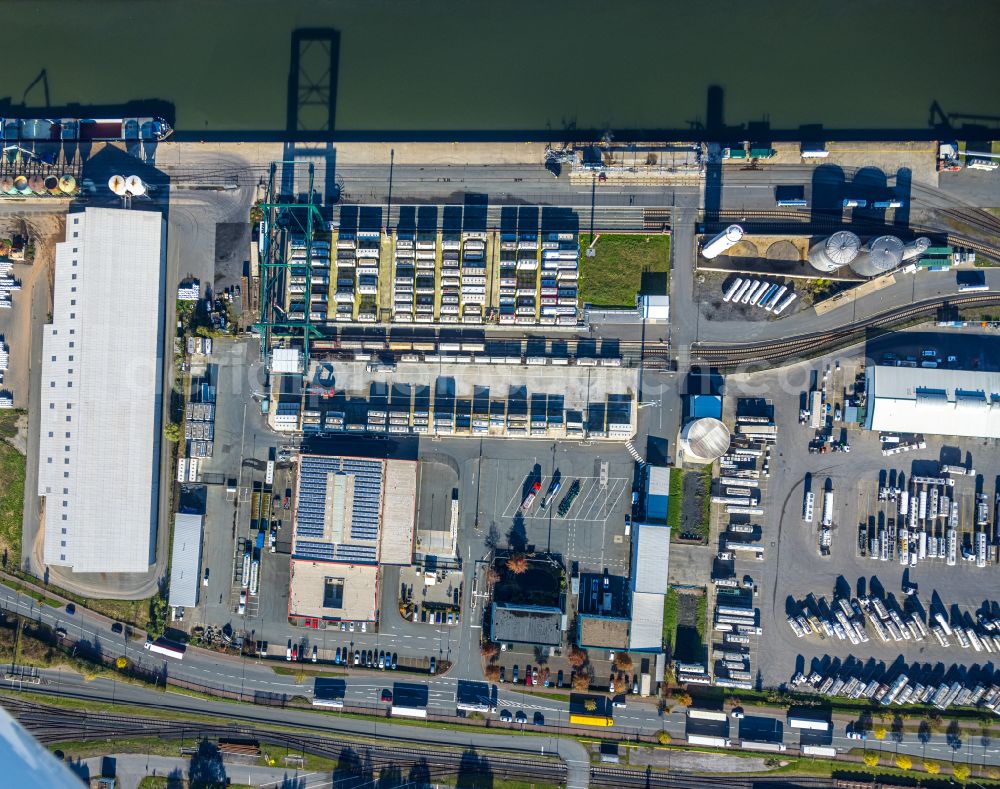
54, 724
732, 355
621, 778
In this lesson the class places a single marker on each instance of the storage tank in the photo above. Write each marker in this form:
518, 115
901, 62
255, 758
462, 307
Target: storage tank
135, 186
727, 239
705, 440
117, 185
52, 185
878, 256
916, 247
7, 185
21, 185
67, 184
36, 184
838, 250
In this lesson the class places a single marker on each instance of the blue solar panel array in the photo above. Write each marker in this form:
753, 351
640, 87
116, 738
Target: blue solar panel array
311, 507
367, 491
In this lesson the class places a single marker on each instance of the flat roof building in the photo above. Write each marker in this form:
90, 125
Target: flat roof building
657, 493
602, 632
185, 561
99, 447
526, 624
940, 402
352, 514
650, 561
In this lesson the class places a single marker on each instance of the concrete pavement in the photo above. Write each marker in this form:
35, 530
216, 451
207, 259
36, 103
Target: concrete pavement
131, 768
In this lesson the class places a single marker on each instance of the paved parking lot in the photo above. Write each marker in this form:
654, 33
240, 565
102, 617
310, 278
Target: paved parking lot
793, 566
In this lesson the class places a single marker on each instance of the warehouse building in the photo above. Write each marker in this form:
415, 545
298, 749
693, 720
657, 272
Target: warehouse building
185, 561
942, 402
526, 624
99, 448
352, 515
650, 560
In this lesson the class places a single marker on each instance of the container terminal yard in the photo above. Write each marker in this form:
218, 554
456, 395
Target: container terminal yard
554, 440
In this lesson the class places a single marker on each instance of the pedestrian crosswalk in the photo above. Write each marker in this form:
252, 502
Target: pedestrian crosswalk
634, 453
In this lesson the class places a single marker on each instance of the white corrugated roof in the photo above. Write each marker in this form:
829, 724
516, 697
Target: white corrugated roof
100, 401
941, 402
286, 360
658, 480
647, 621
185, 560
650, 557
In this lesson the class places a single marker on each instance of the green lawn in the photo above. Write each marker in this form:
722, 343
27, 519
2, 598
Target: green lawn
675, 502
670, 611
624, 266
11, 491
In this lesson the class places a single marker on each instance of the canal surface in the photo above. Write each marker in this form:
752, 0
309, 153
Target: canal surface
512, 65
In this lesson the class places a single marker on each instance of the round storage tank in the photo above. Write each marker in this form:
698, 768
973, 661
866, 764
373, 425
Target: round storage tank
36, 184
878, 256
21, 185
838, 250
117, 185
67, 184
727, 239
916, 247
135, 186
7, 185
705, 440
52, 185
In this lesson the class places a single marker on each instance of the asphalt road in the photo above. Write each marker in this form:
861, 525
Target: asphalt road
234, 674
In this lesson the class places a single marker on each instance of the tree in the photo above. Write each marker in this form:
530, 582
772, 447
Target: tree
590, 705
581, 680
517, 564
492, 576
577, 657
489, 650
622, 661
871, 759
172, 432
683, 698
932, 768
904, 762
492, 673
879, 732
121, 662
620, 684
157, 616
961, 772
663, 737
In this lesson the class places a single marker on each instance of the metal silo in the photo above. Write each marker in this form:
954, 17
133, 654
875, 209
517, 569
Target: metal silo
21, 185
838, 250
135, 185
705, 440
36, 184
117, 185
916, 247
727, 239
52, 185
67, 184
878, 256
7, 185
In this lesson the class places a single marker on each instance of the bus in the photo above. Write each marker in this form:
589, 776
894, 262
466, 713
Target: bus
161, 647
795, 202
591, 720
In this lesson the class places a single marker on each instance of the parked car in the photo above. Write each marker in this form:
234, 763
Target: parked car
243, 602
357, 657
204, 581
393, 661
364, 627
295, 651
559, 679
350, 626
538, 719
513, 675
336, 657
117, 627
534, 676
505, 716
619, 702
70, 609
387, 695
343, 627
433, 668
288, 650
314, 654
520, 717
737, 713
503, 674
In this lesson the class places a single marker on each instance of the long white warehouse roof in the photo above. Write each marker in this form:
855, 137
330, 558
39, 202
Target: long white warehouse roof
98, 460
941, 402
185, 561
